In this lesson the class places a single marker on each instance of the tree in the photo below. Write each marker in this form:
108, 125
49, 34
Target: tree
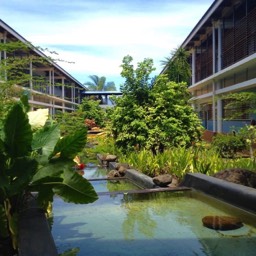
170, 118
100, 84
137, 81
13, 71
240, 103
90, 109
177, 66
154, 115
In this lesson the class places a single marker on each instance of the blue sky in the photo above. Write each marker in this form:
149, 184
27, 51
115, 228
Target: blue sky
97, 34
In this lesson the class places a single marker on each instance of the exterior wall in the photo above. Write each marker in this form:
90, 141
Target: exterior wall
50, 86
223, 60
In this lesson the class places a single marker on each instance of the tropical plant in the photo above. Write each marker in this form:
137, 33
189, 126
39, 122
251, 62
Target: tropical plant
229, 144
240, 103
248, 134
90, 109
170, 119
70, 122
99, 84
37, 162
138, 82
177, 66
154, 115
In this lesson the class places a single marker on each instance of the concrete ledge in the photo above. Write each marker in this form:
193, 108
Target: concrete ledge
238, 195
35, 236
139, 178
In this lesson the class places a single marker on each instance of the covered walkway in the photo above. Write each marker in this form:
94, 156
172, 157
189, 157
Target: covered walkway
103, 96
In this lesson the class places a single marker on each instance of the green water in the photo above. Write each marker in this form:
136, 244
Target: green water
113, 185
159, 224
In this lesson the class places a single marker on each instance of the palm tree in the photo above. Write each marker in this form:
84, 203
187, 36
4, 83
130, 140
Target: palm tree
177, 66
99, 84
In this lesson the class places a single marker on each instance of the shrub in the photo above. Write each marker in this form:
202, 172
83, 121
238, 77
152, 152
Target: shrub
228, 144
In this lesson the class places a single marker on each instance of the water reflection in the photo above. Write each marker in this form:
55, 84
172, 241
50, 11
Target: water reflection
137, 214
148, 224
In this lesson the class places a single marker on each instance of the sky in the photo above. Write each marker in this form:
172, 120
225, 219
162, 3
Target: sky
93, 36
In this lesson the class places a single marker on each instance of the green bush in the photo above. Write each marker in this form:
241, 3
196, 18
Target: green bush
152, 114
229, 144
91, 109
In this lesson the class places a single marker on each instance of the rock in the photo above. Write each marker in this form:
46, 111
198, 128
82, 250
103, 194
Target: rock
238, 176
110, 158
113, 174
175, 182
125, 165
122, 170
222, 222
163, 180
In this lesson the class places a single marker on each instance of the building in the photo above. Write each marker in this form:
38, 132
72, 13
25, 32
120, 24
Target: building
49, 85
222, 49
103, 96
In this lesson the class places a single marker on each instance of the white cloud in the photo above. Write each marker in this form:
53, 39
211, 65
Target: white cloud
97, 36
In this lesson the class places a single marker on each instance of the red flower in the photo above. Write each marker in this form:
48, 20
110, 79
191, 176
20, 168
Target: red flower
81, 166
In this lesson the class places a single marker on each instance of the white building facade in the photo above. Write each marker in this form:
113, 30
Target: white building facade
223, 61
50, 86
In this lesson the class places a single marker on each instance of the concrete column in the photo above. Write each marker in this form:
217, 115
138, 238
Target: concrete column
219, 115
219, 63
213, 107
53, 83
50, 82
5, 54
31, 81
213, 48
193, 66
53, 92
72, 95
50, 91
63, 93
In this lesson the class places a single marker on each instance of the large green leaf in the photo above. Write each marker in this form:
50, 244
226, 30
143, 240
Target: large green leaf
75, 189
3, 223
45, 195
45, 139
18, 134
49, 174
20, 174
70, 145
23, 166
1, 146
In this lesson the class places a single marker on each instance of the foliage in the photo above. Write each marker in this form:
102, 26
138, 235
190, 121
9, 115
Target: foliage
177, 66
37, 162
100, 84
229, 144
176, 160
152, 116
12, 73
237, 102
101, 144
89, 112
181, 160
171, 120
70, 122
90, 109
137, 83
248, 133
15, 74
